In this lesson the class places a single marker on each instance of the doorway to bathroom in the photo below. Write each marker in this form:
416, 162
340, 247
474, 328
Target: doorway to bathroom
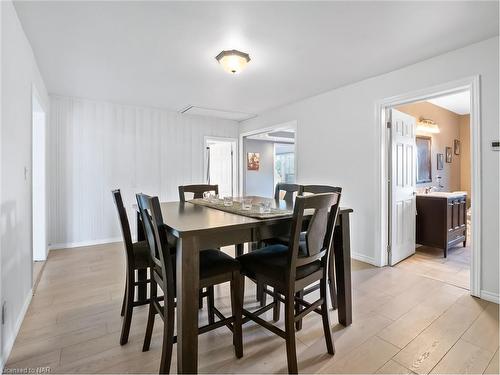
432, 184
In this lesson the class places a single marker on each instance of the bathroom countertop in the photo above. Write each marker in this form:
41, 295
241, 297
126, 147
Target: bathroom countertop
443, 194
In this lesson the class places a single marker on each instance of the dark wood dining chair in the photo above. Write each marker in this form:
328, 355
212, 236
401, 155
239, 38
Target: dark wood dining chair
318, 189
287, 192
196, 190
290, 269
306, 190
216, 267
137, 259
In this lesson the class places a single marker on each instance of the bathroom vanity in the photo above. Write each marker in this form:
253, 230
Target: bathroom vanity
441, 219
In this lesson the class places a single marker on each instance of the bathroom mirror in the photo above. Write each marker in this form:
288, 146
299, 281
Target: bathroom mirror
424, 163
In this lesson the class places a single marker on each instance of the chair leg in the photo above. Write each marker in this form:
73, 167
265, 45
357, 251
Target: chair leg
331, 280
239, 248
298, 309
261, 295
149, 327
200, 298
326, 320
276, 308
122, 312
168, 338
211, 305
128, 309
237, 310
291, 353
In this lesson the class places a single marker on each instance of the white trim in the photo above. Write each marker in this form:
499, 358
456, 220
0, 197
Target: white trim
473, 85
363, 258
235, 157
69, 245
284, 125
9, 344
492, 297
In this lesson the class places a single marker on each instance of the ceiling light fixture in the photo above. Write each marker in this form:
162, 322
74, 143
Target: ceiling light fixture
233, 61
427, 126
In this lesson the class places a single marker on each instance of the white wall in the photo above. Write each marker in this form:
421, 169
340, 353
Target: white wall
95, 147
261, 182
19, 72
337, 143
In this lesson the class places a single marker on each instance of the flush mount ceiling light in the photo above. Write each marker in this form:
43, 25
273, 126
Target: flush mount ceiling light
233, 61
427, 126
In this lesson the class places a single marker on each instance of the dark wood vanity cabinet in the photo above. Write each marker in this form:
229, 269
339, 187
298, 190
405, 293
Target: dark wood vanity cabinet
441, 221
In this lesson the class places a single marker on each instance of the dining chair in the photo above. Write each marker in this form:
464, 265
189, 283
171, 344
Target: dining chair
287, 192
290, 269
137, 259
306, 190
318, 189
216, 267
197, 190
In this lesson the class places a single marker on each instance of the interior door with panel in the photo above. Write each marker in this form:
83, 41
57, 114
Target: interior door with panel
402, 208
220, 165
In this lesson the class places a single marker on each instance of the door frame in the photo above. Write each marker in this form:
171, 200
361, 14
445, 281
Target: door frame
472, 84
208, 138
283, 125
36, 96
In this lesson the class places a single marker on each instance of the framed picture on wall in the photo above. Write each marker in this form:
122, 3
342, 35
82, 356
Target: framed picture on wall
440, 161
253, 161
448, 154
456, 147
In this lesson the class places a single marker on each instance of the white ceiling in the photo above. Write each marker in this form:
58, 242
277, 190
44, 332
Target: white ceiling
458, 103
161, 54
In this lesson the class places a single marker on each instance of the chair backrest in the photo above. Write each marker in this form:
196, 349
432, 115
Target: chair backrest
289, 189
318, 189
156, 236
319, 233
197, 190
124, 225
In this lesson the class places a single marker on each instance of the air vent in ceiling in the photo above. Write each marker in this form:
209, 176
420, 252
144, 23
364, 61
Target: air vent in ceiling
227, 115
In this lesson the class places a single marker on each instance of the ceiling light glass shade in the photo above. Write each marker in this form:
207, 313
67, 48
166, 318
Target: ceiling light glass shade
427, 126
233, 61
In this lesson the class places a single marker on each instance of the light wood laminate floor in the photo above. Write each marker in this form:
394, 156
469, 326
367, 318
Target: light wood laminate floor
430, 262
402, 323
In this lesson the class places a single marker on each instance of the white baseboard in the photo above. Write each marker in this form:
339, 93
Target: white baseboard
488, 296
365, 259
84, 243
9, 342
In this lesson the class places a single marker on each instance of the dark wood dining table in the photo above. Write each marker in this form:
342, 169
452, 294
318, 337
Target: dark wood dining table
198, 227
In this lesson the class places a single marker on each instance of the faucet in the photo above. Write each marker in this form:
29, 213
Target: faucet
429, 189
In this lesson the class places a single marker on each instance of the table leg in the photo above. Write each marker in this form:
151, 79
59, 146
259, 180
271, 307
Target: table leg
142, 275
188, 274
342, 248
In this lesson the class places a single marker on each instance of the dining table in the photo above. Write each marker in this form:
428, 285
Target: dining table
198, 227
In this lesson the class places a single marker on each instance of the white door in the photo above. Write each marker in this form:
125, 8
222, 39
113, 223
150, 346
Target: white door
220, 165
403, 168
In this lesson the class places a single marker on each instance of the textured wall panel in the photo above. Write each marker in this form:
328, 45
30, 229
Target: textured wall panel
94, 147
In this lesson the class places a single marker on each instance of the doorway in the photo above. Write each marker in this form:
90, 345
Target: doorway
268, 157
221, 164
432, 192
38, 183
